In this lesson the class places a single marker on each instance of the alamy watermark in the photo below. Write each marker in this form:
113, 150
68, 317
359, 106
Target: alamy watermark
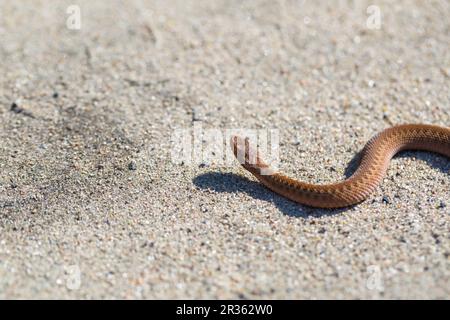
375, 280
374, 19
73, 21
198, 146
72, 277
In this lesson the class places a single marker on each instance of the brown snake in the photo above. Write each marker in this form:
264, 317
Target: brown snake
375, 159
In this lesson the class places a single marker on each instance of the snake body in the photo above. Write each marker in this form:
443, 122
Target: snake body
375, 159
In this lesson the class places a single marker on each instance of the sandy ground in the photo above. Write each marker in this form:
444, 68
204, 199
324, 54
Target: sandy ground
92, 204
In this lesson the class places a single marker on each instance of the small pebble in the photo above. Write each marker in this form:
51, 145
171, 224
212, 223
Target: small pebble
132, 166
15, 108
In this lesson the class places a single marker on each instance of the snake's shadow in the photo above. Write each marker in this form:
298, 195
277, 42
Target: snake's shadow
233, 183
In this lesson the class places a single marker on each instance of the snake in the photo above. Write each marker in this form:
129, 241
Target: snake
374, 161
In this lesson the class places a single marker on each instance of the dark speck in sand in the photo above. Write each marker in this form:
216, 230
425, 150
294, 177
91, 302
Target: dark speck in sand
132, 166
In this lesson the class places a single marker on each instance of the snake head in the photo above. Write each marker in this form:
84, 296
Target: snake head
248, 156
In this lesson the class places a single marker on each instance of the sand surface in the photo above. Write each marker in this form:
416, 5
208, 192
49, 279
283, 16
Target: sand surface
93, 205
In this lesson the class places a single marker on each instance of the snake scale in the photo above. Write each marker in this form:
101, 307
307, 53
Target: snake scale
375, 159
